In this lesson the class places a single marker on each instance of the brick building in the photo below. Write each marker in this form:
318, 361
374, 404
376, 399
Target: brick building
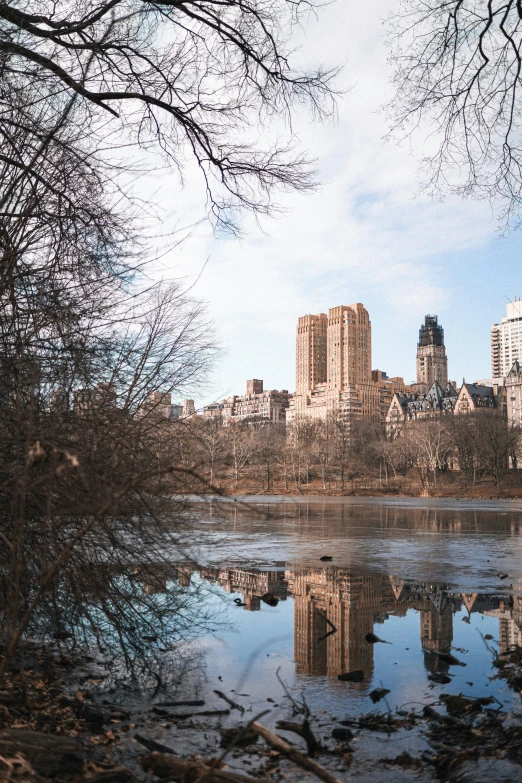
256, 405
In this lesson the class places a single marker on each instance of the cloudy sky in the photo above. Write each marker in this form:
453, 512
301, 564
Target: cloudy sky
364, 236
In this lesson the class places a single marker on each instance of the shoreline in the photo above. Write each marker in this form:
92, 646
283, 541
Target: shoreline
407, 501
75, 727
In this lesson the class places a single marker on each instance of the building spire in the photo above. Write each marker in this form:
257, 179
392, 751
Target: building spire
432, 362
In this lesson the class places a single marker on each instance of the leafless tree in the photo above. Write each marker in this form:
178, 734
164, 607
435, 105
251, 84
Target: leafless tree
181, 78
465, 438
303, 435
82, 347
342, 447
270, 441
241, 441
323, 448
496, 440
427, 446
458, 72
212, 440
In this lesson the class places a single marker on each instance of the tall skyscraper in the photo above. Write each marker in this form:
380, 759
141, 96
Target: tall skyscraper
506, 340
349, 346
432, 362
334, 375
310, 365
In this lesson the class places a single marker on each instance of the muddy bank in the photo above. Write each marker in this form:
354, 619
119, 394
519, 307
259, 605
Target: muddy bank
65, 718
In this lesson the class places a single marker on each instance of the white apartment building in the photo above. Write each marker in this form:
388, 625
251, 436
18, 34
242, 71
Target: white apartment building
506, 340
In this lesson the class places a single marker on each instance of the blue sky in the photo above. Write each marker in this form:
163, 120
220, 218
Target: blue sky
365, 235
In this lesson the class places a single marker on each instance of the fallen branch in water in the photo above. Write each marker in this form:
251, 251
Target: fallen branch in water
329, 622
232, 704
185, 715
303, 730
173, 768
294, 755
193, 703
153, 745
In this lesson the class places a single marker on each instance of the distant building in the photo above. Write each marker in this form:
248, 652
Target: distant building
348, 346
432, 362
159, 404
333, 368
176, 411
492, 382
188, 409
257, 404
101, 397
514, 394
310, 365
474, 397
405, 408
254, 386
506, 340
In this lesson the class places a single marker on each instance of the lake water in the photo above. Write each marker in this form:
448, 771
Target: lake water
428, 577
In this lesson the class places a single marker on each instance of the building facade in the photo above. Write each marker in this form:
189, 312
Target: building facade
333, 368
474, 397
188, 409
348, 346
310, 345
514, 394
431, 362
506, 340
405, 408
257, 405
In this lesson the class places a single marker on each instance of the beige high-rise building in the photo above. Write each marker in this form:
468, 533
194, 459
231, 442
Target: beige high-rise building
349, 346
310, 345
432, 362
334, 373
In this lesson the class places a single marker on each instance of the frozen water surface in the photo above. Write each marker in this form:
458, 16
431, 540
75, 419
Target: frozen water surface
431, 578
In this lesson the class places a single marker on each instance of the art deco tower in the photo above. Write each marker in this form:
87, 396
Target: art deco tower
310, 367
349, 346
432, 362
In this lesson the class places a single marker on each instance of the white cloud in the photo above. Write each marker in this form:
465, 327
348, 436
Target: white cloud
362, 236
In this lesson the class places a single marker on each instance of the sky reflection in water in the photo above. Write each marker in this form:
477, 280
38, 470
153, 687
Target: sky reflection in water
412, 574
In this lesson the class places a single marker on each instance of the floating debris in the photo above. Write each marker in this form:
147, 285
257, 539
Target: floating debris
355, 676
377, 694
371, 638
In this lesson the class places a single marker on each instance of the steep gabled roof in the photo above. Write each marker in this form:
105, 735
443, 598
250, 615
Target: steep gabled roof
479, 391
435, 393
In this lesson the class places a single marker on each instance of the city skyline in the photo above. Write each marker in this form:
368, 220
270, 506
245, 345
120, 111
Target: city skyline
391, 362
365, 235
333, 360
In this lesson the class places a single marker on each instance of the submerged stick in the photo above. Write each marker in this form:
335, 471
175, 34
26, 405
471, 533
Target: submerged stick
192, 703
303, 730
329, 622
166, 767
152, 745
234, 705
294, 755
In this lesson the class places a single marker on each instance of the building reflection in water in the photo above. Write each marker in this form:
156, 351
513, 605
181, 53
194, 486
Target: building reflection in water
334, 609
327, 598
352, 603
